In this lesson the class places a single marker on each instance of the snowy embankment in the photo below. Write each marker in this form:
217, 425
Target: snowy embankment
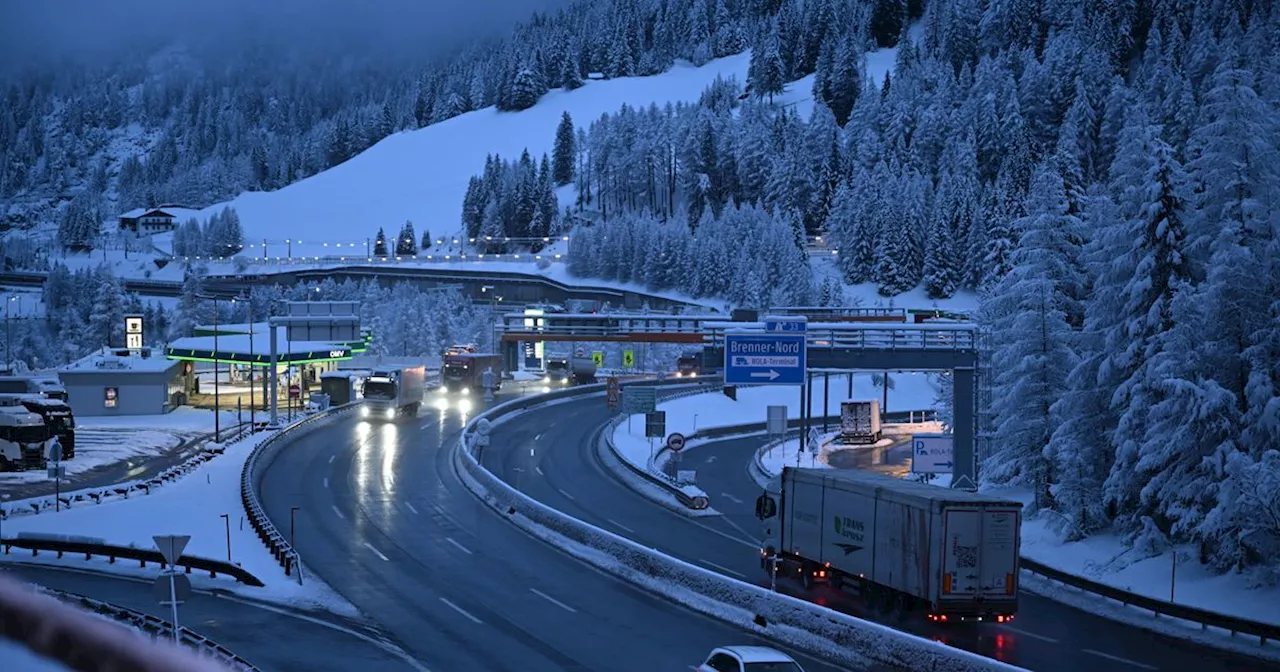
192, 506
686, 415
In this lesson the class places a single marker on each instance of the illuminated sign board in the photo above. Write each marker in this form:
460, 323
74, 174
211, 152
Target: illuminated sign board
109, 397
133, 332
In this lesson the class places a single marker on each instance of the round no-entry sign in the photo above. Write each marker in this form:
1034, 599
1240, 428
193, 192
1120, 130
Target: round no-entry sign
675, 442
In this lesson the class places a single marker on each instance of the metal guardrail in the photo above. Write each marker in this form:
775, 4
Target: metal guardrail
68, 498
156, 627
251, 476
49, 626
35, 544
1235, 625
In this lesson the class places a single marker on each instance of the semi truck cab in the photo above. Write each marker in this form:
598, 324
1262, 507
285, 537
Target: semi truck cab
56, 414
24, 439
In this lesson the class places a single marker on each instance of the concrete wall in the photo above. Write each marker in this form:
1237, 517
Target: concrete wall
138, 392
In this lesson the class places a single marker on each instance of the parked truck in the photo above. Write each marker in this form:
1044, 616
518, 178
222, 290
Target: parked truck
389, 392
29, 384
56, 414
464, 372
906, 548
859, 421
571, 370
24, 439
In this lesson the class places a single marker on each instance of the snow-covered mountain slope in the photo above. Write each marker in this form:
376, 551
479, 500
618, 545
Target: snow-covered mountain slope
421, 176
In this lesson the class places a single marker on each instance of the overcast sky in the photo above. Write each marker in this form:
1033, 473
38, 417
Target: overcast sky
39, 29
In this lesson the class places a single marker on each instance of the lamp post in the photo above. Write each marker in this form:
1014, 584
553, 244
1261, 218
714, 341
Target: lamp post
8, 331
253, 423
217, 402
493, 328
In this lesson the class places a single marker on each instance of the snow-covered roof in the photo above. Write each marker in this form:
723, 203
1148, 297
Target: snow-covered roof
239, 348
107, 362
179, 213
239, 328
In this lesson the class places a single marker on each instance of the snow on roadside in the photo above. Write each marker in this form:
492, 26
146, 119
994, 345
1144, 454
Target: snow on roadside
100, 447
1107, 559
183, 418
193, 505
16, 656
911, 391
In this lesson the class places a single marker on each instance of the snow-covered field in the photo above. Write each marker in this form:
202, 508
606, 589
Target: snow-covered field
181, 419
192, 505
100, 447
911, 391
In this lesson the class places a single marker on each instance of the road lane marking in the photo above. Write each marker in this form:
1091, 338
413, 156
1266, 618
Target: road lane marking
565, 493
1032, 635
750, 544
617, 524
410, 506
539, 470
335, 510
731, 498
1118, 659
722, 568
553, 600
331, 458
377, 552
326, 482
462, 548
462, 611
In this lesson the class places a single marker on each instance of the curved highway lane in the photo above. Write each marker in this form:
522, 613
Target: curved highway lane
385, 521
554, 458
272, 637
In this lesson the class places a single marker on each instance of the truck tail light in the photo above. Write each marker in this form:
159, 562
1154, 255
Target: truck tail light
1008, 584
946, 583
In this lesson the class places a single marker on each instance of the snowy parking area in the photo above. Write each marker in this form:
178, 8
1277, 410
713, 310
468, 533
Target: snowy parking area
193, 506
910, 391
100, 447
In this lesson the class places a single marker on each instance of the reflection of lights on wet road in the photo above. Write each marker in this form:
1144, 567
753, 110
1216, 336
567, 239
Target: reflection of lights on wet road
546, 389
442, 404
387, 438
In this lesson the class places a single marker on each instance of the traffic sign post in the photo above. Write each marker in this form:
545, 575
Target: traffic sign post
655, 424
776, 420
628, 359
675, 442
932, 454
56, 471
171, 546
598, 358
765, 359
613, 395
815, 440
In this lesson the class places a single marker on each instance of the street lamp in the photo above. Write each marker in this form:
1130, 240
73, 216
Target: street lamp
493, 318
217, 404
8, 331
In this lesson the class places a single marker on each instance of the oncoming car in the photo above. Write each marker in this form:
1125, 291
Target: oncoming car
749, 659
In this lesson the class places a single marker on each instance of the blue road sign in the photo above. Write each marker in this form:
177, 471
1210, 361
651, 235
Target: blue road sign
786, 325
765, 359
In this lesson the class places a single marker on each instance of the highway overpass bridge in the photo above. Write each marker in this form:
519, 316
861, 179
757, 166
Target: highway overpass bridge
866, 341
481, 284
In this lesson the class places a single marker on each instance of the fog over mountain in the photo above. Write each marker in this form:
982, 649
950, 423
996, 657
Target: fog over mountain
54, 32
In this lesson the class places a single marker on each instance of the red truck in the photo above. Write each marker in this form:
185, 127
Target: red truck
464, 372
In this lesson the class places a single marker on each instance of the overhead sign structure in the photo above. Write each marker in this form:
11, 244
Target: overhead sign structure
675, 442
787, 324
932, 454
628, 358
764, 359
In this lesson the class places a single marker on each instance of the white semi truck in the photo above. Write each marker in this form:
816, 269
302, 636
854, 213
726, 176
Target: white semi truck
859, 421
904, 547
391, 392
571, 370
24, 439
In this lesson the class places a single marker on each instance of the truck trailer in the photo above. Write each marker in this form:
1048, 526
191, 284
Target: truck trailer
464, 372
571, 370
859, 422
390, 392
906, 548
56, 414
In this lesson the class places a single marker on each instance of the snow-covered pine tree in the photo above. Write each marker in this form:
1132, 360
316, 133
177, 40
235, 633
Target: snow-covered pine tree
405, 242
426, 240
565, 152
1026, 313
380, 244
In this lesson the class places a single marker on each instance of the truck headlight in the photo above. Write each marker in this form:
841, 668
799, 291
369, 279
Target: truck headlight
391, 412
466, 390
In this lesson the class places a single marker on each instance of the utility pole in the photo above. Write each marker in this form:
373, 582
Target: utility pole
217, 405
